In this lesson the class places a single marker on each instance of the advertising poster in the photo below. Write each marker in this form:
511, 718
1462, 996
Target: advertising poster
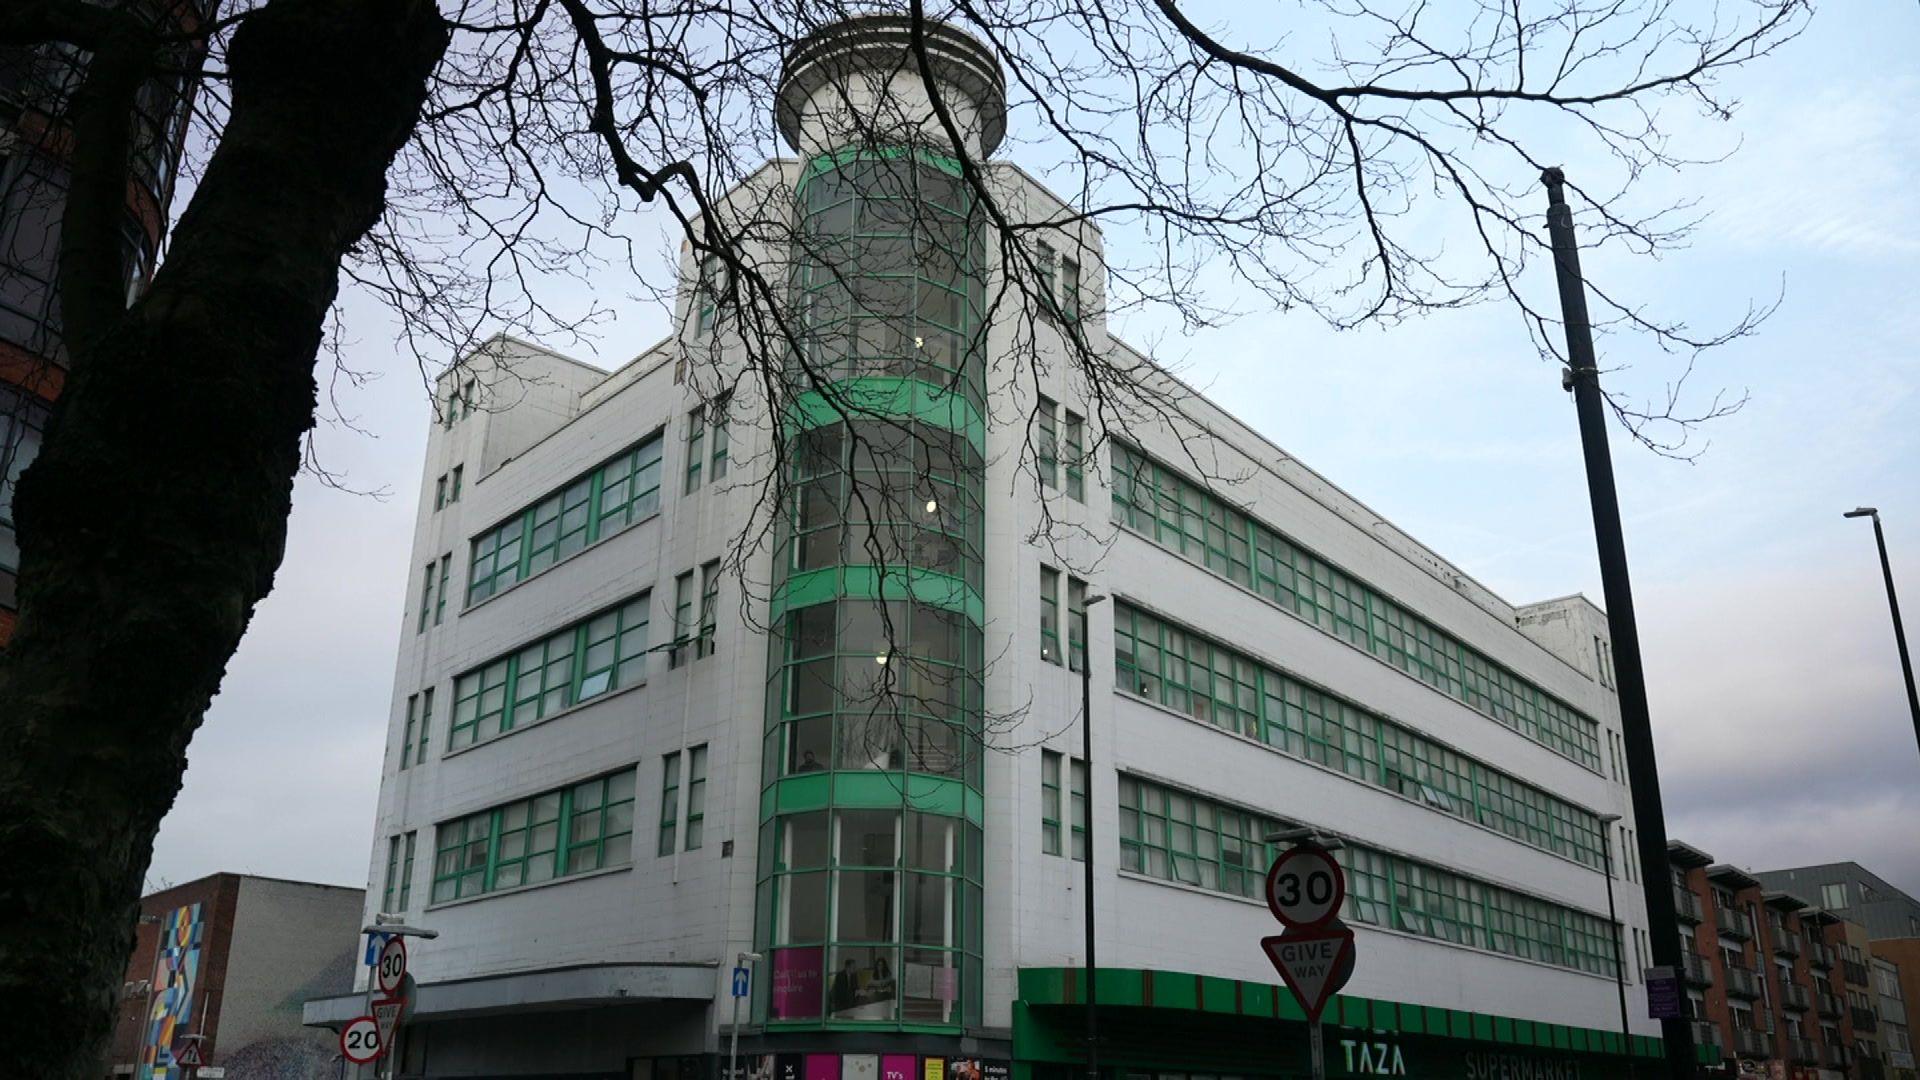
823, 1067
897, 1067
860, 1067
796, 982
935, 1068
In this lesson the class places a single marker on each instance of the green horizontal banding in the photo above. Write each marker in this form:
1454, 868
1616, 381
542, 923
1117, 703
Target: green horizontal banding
888, 397
847, 155
872, 790
929, 587
1174, 990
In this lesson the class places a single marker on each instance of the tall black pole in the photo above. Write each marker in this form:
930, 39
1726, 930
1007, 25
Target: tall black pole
1893, 605
1086, 757
1619, 932
1643, 774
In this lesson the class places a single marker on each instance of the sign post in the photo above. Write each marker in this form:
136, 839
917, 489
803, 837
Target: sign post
1314, 954
742, 985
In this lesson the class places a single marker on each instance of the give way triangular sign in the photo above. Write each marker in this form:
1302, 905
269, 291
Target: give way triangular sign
386, 1017
1315, 963
188, 1054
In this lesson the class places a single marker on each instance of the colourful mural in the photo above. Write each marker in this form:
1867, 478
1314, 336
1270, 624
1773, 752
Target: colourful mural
176, 981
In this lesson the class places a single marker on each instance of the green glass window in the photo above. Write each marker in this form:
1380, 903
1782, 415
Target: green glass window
1050, 802
1077, 806
883, 905
1070, 289
575, 829
453, 490
696, 797
696, 443
1177, 668
426, 727
1178, 836
426, 598
719, 439
406, 732
406, 872
440, 598
886, 493
1046, 440
1076, 437
440, 492
622, 491
1161, 505
871, 685
709, 607
605, 651
387, 893
1076, 624
684, 628
1049, 614
669, 803
712, 284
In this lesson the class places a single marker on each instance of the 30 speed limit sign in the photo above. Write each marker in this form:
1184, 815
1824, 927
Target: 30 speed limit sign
360, 1040
391, 970
1305, 887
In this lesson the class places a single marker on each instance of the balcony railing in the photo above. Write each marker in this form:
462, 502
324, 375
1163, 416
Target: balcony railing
1785, 942
1795, 997
1865, 1021
1733, 922
1685, 904
1750, 1043
1706, 1034
1834, 1057
1695, 969
1741, 983
1802, 1050
1830, 1005
1856, 972
1821, 956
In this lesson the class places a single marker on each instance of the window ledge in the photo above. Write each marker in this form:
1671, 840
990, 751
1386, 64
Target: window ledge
562, 880
578, 706
1331, 771
536, 575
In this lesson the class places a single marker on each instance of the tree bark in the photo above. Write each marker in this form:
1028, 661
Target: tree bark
155, 516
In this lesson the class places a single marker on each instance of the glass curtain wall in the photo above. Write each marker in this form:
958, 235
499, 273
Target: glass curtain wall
869, 895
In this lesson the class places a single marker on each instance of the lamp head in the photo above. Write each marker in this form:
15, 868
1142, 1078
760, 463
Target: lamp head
1607, 819
1862, 511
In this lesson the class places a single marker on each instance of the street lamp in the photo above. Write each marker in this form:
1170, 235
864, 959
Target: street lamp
1086, 758
733, 1044
1893, 605
1619, 965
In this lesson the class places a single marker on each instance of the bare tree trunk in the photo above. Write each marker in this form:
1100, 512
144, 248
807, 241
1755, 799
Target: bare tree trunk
156, 514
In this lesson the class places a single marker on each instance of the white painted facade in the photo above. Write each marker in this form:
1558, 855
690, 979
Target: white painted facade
543, 419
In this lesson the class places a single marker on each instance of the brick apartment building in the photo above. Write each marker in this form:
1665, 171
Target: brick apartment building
232, 957
1785, 988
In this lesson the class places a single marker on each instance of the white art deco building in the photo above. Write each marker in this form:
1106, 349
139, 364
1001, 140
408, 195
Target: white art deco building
619, 759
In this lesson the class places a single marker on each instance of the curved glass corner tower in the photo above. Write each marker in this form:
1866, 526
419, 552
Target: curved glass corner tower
868, 906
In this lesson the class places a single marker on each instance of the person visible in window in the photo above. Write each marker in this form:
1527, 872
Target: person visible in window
879, 985
845, 990
810, 763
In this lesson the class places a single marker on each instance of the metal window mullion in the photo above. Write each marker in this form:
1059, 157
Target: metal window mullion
563, 833
525, 563
509, 689
494, 819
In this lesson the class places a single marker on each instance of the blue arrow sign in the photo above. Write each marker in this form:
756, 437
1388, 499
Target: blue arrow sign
740, 982
375, 942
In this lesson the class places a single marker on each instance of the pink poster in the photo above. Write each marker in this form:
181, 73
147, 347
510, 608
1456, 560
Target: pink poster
823, 1067
897, 1067
796, 985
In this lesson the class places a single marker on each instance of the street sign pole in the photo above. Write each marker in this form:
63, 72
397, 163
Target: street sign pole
1318, 1046
742, 985
1305, 888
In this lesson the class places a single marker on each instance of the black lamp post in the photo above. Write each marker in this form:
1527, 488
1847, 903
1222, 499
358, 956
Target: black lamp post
1893, 605
1613, 916
1086, 758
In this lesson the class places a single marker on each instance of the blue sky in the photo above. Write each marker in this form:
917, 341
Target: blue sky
1778, 707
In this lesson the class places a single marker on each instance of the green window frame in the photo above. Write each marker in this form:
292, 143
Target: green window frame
1043, 258
684, 627
603, 652
708, 290
1050, 802
387, 892
426, 597
1046, 451
719, 438
1180, 669
696, 441
1175, 835
440, 600
1076, 437
1076, 624
453, 485
407, 730
1161, 505
426, 728
1069, 289
440, 492
1077, 807
593, 506
695, 833
709, 609
550, 835
406, 871
1049, 614
669, 803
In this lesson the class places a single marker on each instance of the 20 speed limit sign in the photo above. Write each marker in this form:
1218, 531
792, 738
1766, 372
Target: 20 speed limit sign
1305, 887
360, 1040
391, 970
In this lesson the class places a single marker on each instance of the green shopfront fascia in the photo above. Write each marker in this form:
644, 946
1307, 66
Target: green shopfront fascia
1159, 1025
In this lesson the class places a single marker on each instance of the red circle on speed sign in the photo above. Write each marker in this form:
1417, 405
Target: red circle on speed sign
1305, 887
360, 1040
391, 969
